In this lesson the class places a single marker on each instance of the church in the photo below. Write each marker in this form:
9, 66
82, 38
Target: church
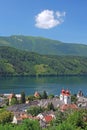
65, 96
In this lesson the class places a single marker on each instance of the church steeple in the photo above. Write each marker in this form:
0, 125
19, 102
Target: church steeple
65, 96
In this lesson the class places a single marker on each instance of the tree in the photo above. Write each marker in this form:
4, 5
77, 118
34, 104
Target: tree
76, 119
74, 98
31, 124
23, 97
5, 117
51, 96
50, 106
44, 95
66, 126
31, 97
34, 111
14, 101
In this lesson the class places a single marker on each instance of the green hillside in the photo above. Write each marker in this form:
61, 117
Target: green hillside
44, 46
14, 62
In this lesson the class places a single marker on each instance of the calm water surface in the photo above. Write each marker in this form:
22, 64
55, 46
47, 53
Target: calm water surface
52, 85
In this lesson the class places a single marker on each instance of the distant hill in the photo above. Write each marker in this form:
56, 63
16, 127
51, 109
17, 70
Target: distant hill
14, 62
44, 45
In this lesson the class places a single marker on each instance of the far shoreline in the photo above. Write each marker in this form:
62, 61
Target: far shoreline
53, 75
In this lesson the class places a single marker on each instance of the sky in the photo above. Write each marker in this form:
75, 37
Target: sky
63, 20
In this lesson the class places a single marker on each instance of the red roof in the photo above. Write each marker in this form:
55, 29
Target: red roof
48, 118
10, 96
65, 92
24, 116
36, 94
68, 106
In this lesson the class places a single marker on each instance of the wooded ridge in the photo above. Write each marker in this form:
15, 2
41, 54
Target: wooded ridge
14, 62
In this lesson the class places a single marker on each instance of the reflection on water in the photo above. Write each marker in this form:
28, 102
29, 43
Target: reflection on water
50, 84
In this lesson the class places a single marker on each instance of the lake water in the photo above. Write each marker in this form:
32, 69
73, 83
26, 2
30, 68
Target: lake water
52, 85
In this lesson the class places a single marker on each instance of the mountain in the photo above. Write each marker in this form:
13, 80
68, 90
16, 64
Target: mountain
14, 62
44, 45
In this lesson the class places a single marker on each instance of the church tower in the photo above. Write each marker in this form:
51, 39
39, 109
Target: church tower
65, 96
62, 95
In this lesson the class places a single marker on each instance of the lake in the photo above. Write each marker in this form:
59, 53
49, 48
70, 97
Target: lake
52, 85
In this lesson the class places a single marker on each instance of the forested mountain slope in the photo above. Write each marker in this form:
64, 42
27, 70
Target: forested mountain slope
16, 62
44, 45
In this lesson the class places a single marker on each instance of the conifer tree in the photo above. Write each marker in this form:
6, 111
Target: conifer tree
44, 96
23, 97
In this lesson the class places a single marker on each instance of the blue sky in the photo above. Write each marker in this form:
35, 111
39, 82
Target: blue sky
64, 20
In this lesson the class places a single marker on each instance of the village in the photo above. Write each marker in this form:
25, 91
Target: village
42, 109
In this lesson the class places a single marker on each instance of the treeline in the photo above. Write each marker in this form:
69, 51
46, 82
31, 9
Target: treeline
14, 62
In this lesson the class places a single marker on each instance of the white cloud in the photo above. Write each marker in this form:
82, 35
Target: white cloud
60, 14
48, 19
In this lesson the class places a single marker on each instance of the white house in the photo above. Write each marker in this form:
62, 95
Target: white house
80, 94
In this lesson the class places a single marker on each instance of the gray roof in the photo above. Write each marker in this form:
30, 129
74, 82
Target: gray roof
22, 107
55, 101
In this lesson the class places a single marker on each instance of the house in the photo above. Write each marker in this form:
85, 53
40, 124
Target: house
82, 102
40, 116
48, 118
55, 101
18, 96
20, 116
80, 94
37, 95
68, 106
10, 96
42, 123
45, 120
16, 118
